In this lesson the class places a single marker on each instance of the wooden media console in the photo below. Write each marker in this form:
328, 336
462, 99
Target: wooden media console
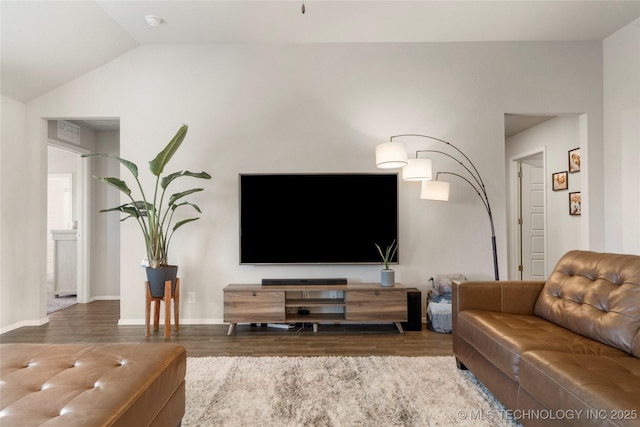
355, 303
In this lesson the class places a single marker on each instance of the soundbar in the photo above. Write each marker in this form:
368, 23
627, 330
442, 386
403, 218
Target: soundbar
332, 281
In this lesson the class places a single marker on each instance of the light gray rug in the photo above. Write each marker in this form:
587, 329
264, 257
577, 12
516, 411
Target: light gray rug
58, 303
336, 391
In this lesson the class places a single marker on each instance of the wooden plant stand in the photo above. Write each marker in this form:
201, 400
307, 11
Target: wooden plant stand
167, 309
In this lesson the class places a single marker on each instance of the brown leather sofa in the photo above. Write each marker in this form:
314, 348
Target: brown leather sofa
92, 385
561, 352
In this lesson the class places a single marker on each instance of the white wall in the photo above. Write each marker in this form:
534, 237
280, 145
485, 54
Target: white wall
324, 108
23, 172
105, 228
622, 139
556, 136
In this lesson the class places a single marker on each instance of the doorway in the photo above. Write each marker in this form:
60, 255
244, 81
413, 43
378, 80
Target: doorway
555, 139
65, 207
98, 235
62, 277
526, 164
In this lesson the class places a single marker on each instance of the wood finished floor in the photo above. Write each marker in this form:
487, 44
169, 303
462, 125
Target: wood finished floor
98, 322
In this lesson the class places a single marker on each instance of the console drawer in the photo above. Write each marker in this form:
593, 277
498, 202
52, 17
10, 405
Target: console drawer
377, 305
254, 307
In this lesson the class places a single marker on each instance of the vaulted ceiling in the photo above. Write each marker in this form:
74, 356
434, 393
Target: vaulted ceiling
45, 44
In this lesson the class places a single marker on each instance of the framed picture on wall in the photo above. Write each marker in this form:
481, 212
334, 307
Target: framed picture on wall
560, 180
575, 203
574, 160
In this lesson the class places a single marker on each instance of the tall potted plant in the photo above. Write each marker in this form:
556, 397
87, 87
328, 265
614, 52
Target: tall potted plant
388, 276
153, 212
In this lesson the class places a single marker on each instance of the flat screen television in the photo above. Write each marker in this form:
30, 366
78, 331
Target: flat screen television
331, 218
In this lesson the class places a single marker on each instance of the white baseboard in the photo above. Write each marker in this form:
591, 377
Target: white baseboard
17, 325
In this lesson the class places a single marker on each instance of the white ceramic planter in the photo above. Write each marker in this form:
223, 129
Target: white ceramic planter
388, 277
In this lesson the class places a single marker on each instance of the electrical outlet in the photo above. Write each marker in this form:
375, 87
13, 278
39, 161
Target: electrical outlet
192, 298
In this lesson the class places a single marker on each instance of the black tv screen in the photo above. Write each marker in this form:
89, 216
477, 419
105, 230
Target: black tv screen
317, 218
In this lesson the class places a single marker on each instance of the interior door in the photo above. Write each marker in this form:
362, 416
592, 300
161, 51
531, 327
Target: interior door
532, 217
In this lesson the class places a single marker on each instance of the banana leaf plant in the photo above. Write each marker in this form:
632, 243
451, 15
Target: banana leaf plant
154, 217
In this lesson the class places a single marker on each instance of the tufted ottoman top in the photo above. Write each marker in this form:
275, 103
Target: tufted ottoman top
90, 384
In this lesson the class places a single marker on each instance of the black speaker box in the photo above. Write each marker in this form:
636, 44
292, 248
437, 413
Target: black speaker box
414, 310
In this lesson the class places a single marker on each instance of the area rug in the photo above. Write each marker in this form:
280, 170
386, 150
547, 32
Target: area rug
336, 391
57, 303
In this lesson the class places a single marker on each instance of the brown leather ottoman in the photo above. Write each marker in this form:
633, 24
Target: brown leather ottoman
92, 384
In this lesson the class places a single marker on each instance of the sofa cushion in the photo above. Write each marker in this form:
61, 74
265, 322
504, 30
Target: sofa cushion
91, 384
596, 295
503, 337
604, 388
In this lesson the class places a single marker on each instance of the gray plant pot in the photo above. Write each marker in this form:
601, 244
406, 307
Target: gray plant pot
388, 277
158, 276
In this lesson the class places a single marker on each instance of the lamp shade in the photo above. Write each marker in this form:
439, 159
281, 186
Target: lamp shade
417, 170
391, 155
435, 190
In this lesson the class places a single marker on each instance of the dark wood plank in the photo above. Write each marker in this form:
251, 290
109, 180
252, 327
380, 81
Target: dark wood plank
98, 322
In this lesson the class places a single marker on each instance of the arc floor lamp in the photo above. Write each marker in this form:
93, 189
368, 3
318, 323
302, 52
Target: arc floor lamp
393, 155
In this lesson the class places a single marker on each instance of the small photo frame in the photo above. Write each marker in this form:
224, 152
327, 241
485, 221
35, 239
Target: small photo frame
574, 160
575, 203
560, 181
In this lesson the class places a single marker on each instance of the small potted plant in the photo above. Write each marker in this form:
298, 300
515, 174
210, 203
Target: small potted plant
387, 275
155, 213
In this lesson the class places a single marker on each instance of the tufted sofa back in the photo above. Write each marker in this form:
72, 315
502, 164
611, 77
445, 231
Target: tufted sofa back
596, 295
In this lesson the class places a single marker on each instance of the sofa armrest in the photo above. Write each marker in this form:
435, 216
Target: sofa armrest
515, 297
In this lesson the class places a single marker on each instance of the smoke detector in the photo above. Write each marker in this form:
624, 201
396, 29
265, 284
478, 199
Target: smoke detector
153, 20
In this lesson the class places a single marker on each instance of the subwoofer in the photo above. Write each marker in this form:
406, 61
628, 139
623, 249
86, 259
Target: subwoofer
414, 310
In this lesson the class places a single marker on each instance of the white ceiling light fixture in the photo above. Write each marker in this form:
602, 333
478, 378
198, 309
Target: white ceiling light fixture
153, 20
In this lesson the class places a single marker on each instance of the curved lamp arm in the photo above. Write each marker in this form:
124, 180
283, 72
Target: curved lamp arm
477, 178
485, 202
479, 186
476, 175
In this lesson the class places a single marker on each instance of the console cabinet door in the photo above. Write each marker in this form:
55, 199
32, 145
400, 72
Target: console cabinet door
374, 305
253, 307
